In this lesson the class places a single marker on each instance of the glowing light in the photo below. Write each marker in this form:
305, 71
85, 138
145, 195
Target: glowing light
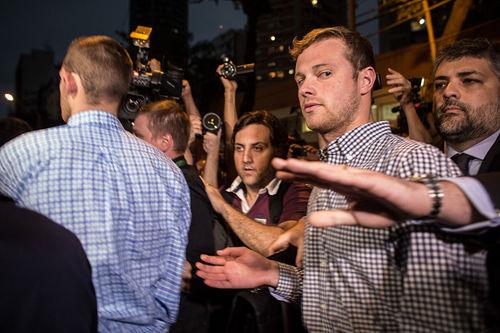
272, 38
290, 71
9, 97
314, 3
421, 21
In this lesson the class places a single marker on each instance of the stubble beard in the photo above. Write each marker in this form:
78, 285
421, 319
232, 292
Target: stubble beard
337, 121
472, 124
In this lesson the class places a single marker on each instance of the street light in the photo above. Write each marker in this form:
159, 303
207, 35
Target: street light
9, 97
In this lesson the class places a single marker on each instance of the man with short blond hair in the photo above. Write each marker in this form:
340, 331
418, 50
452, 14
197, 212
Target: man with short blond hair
123, 199
405, 278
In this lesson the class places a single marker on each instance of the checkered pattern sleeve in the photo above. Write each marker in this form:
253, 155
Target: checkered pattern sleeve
126, 202
289, 283
408, 278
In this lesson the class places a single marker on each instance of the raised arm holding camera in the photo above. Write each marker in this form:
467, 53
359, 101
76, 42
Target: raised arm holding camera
401, 89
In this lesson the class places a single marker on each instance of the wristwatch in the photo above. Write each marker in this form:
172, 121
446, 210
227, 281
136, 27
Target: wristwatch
435, 193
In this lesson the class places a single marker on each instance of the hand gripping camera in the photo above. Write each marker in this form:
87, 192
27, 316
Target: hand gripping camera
149, 85
230, 70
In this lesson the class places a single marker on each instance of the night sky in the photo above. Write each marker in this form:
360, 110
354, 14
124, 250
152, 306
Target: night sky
52, 24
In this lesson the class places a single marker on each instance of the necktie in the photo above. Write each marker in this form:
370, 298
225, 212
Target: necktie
462, 160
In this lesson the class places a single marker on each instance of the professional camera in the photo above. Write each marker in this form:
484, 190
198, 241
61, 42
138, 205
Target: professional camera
149, 85
230, 70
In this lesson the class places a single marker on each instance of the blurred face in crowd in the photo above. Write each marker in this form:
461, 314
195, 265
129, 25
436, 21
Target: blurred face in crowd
467, 100
253, 154
328, 92
141, 130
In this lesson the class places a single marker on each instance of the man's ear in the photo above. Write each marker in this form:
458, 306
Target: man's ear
165, 143
366, 79
70, 83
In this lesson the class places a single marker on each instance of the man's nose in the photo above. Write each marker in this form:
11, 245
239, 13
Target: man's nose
451, 91
307, 88
247, 156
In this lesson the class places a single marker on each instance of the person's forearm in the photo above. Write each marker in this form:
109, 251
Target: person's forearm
456, 208
253, 234
211, 169
190, 106
230, 114
416, 130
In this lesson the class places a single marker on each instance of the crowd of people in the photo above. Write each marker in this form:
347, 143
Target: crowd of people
112, 231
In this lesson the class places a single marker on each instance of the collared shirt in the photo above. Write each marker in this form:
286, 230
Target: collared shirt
237, 187
294, 201
127, 203
409, 278
478, 152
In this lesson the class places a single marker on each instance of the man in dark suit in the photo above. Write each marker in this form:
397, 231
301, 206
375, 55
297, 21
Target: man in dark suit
46, 280
466, 96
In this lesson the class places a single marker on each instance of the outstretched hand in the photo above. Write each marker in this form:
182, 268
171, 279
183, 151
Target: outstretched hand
237, 267
377, 201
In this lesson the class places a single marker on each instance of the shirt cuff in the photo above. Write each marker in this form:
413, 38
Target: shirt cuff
289, 283
480, 199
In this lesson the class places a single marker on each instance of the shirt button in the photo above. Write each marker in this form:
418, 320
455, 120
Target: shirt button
323, 263
348, 157
323, 306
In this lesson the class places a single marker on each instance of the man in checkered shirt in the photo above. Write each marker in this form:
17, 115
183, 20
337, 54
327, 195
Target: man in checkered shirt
126, 202
411, 277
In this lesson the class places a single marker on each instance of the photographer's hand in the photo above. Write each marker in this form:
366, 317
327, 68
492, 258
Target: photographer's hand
229, 85
154, 64
400, 87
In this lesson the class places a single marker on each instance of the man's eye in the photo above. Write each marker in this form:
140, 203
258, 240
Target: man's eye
470, 81
440, 85
325, 74
258, 148
299, 81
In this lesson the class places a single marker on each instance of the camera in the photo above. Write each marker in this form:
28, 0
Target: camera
148, 85
230, 70
211, 122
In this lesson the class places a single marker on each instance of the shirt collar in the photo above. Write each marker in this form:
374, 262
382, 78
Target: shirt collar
100, 118
479, 150
350, 144
271, 188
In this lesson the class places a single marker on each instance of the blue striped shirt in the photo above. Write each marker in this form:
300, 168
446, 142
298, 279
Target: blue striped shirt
127, 203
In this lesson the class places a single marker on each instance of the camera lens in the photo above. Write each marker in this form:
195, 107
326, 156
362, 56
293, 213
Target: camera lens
228, 71
211, 122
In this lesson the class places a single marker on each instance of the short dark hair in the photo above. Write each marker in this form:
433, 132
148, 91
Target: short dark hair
166, 116
360, 51
277, 132
103, 65
12, 127
480, 48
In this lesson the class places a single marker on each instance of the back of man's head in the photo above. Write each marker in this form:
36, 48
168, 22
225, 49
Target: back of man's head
360, 52
278, 133
167, 117
103, 65
480, 48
